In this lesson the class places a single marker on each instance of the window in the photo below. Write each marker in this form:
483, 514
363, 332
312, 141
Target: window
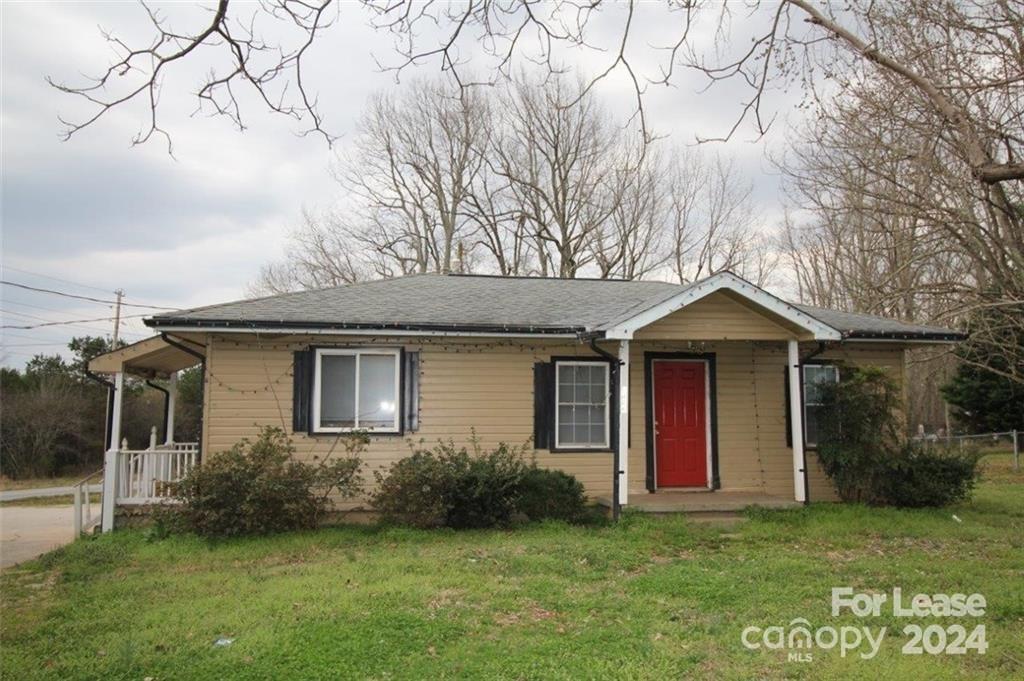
815, 375
581, 405
356, 389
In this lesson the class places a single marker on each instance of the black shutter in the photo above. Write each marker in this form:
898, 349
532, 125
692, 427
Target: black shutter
411, 392
789, 414
302, 390
543, 405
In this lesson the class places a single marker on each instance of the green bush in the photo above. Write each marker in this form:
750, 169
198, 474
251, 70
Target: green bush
448, 486
858, 430
415, 490
256, 487
862, 452
551, 494
451, 487
917, 476
485, 490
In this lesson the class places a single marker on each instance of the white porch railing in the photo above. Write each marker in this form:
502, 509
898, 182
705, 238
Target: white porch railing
148, 475
84, 518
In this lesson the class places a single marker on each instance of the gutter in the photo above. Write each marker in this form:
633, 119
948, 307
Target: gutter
185, 324
110, 406
592, 339
202, 384
167, 404
803, 360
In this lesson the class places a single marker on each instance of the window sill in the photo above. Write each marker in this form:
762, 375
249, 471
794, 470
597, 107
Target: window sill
581, 450
350, 431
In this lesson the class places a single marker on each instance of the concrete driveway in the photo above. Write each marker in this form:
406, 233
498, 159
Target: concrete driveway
30, 531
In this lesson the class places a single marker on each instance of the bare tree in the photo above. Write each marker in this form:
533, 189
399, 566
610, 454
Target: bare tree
953, 57
899, 227
631, 243
319, 254
711, 219
560, 154
501, 230
416, 158
240, 57
543, 188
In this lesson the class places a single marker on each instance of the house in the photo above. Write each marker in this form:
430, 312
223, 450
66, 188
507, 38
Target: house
645, 391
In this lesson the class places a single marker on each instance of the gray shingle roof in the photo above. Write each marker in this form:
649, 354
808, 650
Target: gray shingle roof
475, 303
857, 325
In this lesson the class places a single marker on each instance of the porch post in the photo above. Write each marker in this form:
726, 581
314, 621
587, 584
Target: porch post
796, 410
172, 398
623, 422
110, 458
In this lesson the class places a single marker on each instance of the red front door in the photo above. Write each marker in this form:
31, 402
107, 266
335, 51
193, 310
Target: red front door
680, 424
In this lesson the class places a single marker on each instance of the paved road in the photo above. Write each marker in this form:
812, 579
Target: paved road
15, 494
29, 531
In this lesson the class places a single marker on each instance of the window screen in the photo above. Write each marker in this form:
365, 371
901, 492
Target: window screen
357, 389
815, 375
581, 405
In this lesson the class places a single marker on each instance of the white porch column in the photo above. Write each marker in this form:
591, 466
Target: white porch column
796, 421
623, 422
172, 398
110, 458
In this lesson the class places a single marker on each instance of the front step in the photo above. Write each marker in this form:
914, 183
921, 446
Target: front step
702, 503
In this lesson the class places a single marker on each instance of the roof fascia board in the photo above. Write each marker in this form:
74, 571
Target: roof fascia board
900, 340
359, 332
724, 280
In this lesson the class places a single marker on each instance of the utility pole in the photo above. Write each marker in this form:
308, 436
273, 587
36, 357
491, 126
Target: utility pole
117, 315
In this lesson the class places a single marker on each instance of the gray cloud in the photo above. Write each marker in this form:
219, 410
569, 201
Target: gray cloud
195, 230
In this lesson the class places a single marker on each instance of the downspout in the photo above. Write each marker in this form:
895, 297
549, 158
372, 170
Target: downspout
167, 405
616, 454
811, 355
110, 406
202, 384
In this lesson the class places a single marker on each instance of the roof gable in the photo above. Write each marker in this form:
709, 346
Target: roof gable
723, 281
720, 316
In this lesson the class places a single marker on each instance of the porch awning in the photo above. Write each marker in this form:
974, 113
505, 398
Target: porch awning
150, 358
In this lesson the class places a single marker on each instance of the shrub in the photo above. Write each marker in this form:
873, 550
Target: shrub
918, 476
551, 494
257, 488
858, 428
449, 486
485, 492
863, 454
415, 490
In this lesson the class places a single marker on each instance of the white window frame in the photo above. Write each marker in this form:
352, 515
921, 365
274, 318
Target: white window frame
803, 394
356, 352
606, 444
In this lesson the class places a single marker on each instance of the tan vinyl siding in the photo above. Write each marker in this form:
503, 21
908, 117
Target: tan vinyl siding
718, 316
487, 385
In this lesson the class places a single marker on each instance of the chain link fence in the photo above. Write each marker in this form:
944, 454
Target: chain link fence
1009, 440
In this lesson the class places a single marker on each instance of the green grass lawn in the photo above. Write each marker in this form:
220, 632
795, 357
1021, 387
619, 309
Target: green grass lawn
648, 598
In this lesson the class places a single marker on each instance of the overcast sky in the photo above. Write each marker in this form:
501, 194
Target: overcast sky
94, 214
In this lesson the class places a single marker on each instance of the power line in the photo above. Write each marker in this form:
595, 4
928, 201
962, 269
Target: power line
72, 321
35, 307
90, 299
54, 324
63, 281
68, 322
33, 345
